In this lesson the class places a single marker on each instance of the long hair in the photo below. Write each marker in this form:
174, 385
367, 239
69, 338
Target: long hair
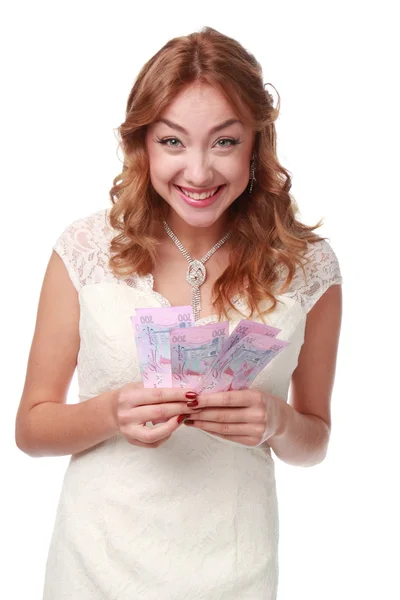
266, 235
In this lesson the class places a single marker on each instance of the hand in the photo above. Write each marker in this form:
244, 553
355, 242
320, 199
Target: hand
133, 406
249, 417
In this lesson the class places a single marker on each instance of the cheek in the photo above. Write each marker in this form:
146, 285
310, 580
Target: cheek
236, 172
162, 169
158, 166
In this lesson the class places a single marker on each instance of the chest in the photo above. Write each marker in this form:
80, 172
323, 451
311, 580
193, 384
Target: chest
170, 280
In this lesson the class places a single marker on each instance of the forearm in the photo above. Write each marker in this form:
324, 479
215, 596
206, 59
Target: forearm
299, 440
54, 429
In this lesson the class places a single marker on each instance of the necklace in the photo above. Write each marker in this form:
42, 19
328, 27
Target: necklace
196, 272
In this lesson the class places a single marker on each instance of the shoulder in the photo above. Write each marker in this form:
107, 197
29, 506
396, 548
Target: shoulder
83, 246
321, 271
85, 232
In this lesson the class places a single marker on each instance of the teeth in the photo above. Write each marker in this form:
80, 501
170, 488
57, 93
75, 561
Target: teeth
202, 196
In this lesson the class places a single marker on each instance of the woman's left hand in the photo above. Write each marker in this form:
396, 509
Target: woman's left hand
249, 417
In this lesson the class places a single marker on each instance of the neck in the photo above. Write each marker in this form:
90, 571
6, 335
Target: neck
196, 240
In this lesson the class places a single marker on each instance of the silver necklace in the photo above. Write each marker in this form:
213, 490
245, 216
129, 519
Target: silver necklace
196, 272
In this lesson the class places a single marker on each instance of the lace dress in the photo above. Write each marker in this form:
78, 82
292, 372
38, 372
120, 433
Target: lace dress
196, 518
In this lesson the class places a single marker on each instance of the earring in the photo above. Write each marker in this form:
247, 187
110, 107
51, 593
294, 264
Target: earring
252, 178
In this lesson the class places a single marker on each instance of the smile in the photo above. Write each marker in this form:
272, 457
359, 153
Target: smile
199, 195
200, 200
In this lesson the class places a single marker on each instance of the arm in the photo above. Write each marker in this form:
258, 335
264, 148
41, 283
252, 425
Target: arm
45, 424
304, 424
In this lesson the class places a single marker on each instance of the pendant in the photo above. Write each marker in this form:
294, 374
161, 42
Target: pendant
196, 273
196, 303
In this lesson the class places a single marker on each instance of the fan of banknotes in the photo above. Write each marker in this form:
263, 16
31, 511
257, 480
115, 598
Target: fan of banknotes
174, 352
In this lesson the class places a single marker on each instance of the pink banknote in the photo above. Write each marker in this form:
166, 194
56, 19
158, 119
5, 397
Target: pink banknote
245, 327
152, 327
238, 367
193, 352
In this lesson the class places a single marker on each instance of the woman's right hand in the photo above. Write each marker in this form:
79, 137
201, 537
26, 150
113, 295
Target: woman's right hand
134, 405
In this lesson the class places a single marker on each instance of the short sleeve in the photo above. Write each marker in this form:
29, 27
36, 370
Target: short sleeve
82, 247
322, 271
65, 248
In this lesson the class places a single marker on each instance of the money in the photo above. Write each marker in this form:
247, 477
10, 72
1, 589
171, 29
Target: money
245, 327
237, 368
194, 351
139, 348
152, 327
173, 352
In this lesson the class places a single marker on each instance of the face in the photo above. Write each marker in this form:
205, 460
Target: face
199, 148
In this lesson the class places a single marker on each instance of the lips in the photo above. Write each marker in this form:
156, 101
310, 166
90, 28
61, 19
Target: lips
201, 203
193, 191
198, 191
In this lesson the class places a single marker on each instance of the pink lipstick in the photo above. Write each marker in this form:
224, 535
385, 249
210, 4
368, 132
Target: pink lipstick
201, 203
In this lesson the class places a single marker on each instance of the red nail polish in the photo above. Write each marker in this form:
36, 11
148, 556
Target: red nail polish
191, 395
180, 418
192, 404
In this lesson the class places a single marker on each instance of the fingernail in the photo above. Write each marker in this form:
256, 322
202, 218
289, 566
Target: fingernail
181, 418
192, 404
191, 395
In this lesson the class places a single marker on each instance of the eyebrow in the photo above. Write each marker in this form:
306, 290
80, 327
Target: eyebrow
212, 130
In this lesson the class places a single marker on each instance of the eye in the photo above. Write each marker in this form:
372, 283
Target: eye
226, 142
231, 142
165, 141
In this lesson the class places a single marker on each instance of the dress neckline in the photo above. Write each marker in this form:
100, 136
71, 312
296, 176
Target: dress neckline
147, 282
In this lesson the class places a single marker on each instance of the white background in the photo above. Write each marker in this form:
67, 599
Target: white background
67, 69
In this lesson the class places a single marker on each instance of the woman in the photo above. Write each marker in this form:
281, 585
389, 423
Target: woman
195, 517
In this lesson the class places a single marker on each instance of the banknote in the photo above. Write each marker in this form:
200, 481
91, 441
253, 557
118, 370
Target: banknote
139, 350
152, 327
245, 327
237, 368
194, 351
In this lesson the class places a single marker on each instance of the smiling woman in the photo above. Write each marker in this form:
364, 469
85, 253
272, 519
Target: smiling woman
174, 511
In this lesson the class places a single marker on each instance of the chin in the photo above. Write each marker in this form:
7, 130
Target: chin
201, 219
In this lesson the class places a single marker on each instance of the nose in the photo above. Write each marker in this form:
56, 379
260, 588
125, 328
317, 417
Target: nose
199, 172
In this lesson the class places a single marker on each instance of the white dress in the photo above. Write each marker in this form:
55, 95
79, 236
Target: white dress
196, 518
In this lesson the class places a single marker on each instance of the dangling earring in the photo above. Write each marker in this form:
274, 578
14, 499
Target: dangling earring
252, 169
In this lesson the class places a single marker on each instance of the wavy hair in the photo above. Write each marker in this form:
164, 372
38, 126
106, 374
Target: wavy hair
266, 235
